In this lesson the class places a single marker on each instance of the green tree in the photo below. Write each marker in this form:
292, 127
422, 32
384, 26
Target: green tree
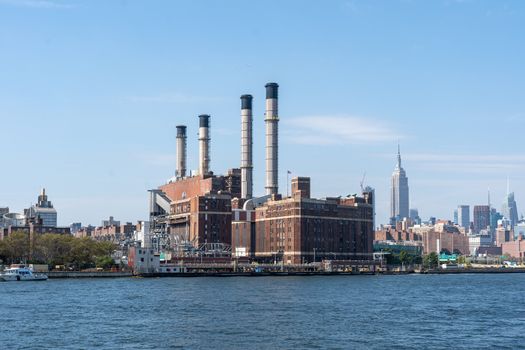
431, 261
78, 253
404, 257
16, 247
105, 262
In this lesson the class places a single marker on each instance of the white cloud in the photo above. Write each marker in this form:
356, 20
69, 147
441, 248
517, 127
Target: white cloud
45, 4
339, 129
174, 97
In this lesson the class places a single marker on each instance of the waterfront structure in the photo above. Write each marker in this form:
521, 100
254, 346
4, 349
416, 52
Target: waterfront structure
220, 214
43, 211
481, 218
399, 193
464, 216
301, 229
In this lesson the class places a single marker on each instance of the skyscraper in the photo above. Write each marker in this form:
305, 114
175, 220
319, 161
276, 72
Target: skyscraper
481, 217
464, 216
399, 192
510, 209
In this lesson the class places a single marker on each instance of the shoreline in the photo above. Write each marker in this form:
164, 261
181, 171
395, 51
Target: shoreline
82, 275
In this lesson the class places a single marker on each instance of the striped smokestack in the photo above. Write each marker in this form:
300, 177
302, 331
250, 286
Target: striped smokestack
246, 147
180, 171
272, 151
204, 144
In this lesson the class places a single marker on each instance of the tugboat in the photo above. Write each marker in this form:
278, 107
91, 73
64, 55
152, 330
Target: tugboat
21, 274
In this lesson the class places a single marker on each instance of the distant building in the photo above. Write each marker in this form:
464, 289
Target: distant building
478, 241
519, 229
43, 211
464, 216
509, 209
371, 192
414, 217
495, 217
481, 218
399, 195
75, 227
456, 217
443, 236
515, 249
110, 222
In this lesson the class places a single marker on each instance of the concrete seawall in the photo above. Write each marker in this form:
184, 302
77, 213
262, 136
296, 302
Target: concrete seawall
78, 274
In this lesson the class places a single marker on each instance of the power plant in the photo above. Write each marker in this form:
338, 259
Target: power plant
218, 215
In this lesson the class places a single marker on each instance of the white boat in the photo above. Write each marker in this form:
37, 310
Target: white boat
21, 274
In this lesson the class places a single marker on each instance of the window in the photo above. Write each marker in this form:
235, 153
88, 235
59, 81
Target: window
141, 259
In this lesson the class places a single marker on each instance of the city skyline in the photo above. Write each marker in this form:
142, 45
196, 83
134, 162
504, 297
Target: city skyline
91, 112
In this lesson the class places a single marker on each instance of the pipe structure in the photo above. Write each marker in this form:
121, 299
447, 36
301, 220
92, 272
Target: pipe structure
180, 171
204, 144
246, 147
272, 132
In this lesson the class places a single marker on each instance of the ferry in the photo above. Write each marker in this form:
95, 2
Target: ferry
21, 274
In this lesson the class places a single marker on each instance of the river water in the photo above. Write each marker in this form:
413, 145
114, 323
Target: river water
478, 311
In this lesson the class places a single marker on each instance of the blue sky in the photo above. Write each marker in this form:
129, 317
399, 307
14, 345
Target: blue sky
91, 92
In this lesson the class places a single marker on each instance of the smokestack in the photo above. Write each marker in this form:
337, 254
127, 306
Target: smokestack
204, 144
272, 151
246, 147
180, 171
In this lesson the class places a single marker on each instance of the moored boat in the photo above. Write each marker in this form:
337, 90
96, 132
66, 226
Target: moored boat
21, 274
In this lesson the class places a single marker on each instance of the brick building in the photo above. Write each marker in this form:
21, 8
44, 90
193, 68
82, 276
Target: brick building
201, 208
300, 229
515, 249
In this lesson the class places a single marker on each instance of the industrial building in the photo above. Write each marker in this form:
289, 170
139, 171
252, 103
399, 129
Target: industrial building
214, 214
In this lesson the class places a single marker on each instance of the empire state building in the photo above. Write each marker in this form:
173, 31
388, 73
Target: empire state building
399, 192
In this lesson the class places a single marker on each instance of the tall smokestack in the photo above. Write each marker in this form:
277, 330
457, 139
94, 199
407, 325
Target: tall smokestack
246, 147
180, 171
272, 151
204, 144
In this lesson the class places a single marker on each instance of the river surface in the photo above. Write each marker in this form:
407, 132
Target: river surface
478, 311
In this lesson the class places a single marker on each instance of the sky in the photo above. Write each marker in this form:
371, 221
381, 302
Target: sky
91, 92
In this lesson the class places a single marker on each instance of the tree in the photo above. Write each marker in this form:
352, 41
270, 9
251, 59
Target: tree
404, 257
15, 247
78, 253
431, 261
105, 262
